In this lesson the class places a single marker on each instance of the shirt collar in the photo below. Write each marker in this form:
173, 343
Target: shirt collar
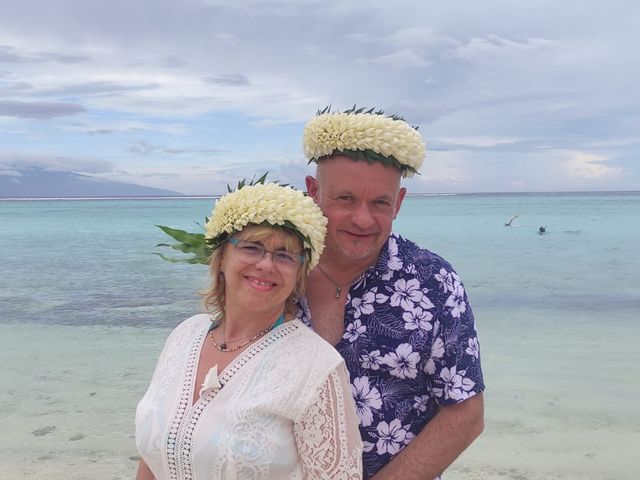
381, 267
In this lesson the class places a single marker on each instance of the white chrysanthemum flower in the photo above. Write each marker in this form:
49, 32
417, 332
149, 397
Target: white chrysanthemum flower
330, 132
274, 204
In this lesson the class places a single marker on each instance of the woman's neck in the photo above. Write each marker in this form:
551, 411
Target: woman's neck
239, 323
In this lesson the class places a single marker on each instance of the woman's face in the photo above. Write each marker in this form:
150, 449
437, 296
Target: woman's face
259, 286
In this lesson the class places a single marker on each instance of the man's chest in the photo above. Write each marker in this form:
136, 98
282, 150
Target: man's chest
327, 319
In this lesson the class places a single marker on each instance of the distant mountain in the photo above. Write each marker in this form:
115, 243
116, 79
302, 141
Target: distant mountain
38, 182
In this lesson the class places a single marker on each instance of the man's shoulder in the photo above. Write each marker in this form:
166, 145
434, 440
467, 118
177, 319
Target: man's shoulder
417, 253
407, 245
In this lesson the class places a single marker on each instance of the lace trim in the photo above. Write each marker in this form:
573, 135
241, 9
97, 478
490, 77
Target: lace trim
265, 342
177, 446
180, 455
323, 421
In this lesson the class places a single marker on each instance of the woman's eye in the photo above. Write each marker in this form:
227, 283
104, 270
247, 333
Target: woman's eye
284, 257
252, 249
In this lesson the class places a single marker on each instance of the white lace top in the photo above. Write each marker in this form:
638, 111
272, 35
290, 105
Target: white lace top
284, 411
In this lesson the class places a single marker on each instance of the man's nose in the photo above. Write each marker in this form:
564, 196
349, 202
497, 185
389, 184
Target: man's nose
362, 217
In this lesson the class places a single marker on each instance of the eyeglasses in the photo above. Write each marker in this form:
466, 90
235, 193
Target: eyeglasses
252, 252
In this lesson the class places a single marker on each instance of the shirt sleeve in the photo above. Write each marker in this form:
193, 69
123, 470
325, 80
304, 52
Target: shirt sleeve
454, 365
326, 432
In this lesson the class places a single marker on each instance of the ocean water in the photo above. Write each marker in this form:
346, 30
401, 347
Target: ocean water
85, 308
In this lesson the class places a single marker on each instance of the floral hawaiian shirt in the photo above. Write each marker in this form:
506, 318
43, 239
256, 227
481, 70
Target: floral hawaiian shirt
410, 344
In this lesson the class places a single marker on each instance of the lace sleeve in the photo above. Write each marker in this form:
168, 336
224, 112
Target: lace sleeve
327, 434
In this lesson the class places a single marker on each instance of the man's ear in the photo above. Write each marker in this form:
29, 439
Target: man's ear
312, 187
401, 193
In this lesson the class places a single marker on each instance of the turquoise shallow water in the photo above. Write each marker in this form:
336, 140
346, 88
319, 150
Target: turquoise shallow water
87, 262
84, 309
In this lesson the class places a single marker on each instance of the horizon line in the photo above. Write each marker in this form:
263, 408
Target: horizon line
214, 196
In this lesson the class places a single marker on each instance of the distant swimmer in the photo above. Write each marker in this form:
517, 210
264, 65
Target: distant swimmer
542, 230
508, 224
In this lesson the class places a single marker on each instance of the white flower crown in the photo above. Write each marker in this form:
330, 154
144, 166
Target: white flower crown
269, 203
368, 136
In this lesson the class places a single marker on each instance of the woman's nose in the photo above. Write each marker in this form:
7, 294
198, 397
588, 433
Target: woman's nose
266, 262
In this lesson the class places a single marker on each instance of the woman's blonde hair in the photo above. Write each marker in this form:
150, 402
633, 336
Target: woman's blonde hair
214, 297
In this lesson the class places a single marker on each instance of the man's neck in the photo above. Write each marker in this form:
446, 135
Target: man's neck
344, 270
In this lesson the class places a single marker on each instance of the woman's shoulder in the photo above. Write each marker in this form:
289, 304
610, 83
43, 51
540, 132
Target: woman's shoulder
190, 326
315, 348
311, 364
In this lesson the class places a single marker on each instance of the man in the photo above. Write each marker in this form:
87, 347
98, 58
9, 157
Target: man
396, 312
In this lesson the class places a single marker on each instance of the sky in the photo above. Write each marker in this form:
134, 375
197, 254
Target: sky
191, 95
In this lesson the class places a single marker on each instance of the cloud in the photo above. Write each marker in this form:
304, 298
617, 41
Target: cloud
100, 131
232, 79
8, 172
7, 55
14, 161
180, 151
419, 37
142, 147
125, 127
589, 167
173, 61
415, 38
193, 180
264, 7
14, 88
475, 142
65, 58
39, 110
496, 46
443, 172
403, 59
96, 88
501, 104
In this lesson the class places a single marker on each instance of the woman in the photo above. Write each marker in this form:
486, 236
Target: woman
246, 391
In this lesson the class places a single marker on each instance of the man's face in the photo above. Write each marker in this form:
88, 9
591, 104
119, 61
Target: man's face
360, 200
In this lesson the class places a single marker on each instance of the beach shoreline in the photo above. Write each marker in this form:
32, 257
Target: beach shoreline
68, 405
84, 320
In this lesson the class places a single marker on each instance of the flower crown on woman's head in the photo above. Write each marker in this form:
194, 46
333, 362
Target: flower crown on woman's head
273, 204
365, 135
257, 203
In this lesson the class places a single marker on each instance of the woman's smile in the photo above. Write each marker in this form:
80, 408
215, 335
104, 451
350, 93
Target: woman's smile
260, 284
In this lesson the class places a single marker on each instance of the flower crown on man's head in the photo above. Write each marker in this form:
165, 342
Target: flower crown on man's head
365, 135
273, 204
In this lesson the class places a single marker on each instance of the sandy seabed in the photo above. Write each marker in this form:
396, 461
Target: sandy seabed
553, 411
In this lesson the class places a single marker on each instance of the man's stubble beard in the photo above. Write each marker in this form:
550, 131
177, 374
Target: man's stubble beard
358, 250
